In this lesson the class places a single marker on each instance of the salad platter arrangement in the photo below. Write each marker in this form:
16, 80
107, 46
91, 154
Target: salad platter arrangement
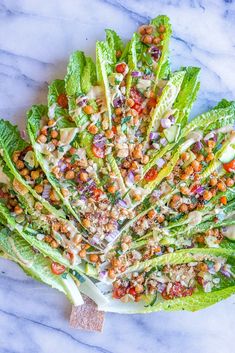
116, 198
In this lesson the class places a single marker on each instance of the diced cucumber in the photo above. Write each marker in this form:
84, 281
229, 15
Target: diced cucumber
228, 154
172, 133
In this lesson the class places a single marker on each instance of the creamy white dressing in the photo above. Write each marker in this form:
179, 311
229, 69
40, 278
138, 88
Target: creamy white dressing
223, 129
143, 85
194, 218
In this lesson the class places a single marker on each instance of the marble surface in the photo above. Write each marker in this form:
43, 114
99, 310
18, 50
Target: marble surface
36, 38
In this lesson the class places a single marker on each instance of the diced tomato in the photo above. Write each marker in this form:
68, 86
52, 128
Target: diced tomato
119, 292
136, 95
194, 188
151, 174
223, 200
151, 103
138, 108
98, 151
120, 68
62, 100
57, 269
114, 130
132, 291
177, 291
230, 167
96, 192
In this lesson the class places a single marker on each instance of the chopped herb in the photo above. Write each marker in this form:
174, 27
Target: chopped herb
126, 119
61, 149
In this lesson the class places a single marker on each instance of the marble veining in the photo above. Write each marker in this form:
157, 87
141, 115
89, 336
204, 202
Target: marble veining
36, 38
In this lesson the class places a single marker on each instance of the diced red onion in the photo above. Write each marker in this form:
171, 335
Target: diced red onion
103, 274
226, 273
122, 203
160, 162
117, 102
155, 52
166, 123
153, 136
198, 146
95, 240
99, 140
163, 141
131, 177
112, 236
136, 74
23, 134
200, 190
46, 191
81, 101
172, 118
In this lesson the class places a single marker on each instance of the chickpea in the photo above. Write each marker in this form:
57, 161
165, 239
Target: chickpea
65, 192
42, 139
184, 208
83, 176
137, 178
221, 186
86, 223
200, 157
161, 218
82, 253
189, 170
48, 239
139, 288
213, 181
137, 153
207, 195
111, 273
149, 29
19, 164
88, 109
15, 156
185, 156
147, 39
54, 134
156, 40
51, 122
184, 176
18, 210
151, 214
137, 197
54, 244
109, 134
24, 172
142, 29
210, 157
53, 196
184, 190
118, 111
92, 129
161, 29
130, 102
229, 182
44, 131
145, 159
35, 174
94, 257
124, 247
39, 189
196, 165
161, 36
69, 175
112, 189
211, 144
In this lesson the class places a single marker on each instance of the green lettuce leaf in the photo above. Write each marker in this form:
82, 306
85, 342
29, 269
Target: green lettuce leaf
37, 265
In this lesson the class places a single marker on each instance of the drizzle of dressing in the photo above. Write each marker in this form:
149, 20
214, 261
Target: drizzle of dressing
22, 260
